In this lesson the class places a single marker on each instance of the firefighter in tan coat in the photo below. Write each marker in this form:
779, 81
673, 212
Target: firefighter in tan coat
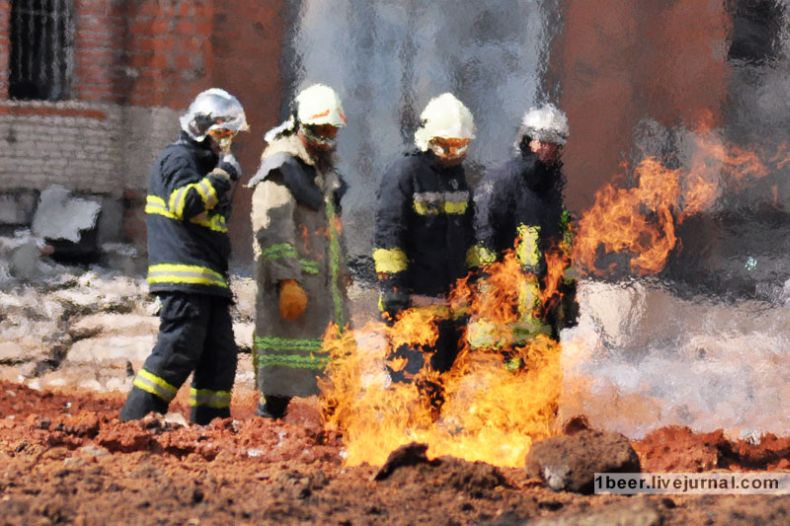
298, 254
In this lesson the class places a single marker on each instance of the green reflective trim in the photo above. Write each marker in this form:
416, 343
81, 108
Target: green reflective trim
150, 383
293, 361
287, 344
309, 266
209, 398
334, 264
279, 251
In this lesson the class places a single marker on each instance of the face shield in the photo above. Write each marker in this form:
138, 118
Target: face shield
321, 137
450, 151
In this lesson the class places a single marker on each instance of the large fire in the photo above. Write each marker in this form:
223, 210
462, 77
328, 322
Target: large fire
501, 394
499, 397
639, 220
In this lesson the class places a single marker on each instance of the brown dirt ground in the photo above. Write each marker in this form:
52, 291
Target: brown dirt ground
65, 459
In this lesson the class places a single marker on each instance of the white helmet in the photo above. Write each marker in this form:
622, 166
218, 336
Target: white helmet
213, 109
546, 124
319, 104
445, 116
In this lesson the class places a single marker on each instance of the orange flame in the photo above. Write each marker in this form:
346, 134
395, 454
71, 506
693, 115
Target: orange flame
640, 222
498, 399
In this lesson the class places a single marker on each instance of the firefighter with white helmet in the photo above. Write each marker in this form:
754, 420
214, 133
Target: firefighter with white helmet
298, 249
423, 230
520, 207
187, 208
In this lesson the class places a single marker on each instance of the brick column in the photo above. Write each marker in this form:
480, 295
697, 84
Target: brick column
5, 47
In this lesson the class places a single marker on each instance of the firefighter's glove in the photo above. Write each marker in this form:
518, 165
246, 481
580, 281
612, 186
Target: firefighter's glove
230, 164
293, 300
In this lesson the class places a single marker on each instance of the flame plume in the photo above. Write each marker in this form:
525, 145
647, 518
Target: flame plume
640, 221
498, 400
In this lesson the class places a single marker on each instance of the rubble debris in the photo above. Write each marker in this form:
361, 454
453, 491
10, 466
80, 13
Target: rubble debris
68, 224
406, 455
638, 513
569, 462
679, 449
61, 216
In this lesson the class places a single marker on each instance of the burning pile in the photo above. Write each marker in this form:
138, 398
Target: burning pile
498, 398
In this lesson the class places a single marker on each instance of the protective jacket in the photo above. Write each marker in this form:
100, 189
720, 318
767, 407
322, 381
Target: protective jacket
520, 207
295, 221
187, 209
522, 196
424, 227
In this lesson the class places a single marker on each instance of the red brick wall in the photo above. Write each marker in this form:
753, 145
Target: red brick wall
5, 48
146, 55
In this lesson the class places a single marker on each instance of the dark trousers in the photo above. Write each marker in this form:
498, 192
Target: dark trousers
195, 335
442, 353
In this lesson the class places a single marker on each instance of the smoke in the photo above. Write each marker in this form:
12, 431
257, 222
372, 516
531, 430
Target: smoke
642, 358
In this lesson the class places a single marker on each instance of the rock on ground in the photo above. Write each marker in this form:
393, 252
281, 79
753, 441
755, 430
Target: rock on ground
569, 462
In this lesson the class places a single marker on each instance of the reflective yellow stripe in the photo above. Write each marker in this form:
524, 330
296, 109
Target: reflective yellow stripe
292, 361
527, 250
479, 256
215, 222
207, 193
432, 203
528, 296
150, 383
177, 201
421, 208
156, 205
390, 260
185, 274
457, 208
209, 398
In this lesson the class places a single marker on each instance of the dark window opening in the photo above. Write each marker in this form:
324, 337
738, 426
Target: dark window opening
756, 30
42, 49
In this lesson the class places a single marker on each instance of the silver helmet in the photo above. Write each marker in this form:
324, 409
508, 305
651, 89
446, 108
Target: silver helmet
214, 110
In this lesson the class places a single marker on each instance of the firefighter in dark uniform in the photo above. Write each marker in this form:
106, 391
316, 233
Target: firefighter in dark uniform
423, 229
520, 207
187, 209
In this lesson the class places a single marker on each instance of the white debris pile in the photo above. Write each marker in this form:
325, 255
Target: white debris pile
92, 329
61, 216
20, 258
104, 319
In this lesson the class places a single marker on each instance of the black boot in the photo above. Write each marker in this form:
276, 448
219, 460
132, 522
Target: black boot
273, 406
140, 403
203, 415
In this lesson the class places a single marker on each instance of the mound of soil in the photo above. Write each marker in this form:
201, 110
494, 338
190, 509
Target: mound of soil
66, 459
